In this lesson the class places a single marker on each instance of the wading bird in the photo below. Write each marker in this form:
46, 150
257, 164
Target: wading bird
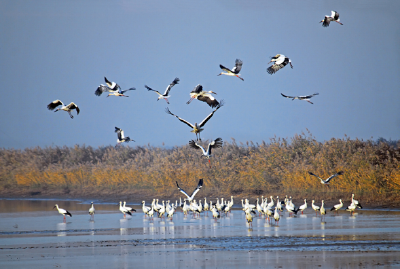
234, 72
191, 197
124, 210
303, 206
217, 143
113, 89
197, 128
338, 206
280, 62
326, 182
164, 96
333, 17
91, 211
67, 108
62, 211
130, 209
276, 215
121, 136
301, 97
204, 96
315, 207
322, 210
353, 201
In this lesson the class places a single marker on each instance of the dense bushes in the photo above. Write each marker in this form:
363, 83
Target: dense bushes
278, 166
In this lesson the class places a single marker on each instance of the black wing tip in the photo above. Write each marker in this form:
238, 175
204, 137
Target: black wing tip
201, 182
311, 173
340, 173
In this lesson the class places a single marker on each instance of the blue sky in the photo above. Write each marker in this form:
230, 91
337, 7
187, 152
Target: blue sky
63, 49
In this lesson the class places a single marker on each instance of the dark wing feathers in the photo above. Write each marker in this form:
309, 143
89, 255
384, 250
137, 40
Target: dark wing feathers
211, 114
238, 66
150, 89
287, 96
182, 120
225, 69
54, 104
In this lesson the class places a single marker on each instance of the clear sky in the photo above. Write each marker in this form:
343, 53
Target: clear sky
63, 49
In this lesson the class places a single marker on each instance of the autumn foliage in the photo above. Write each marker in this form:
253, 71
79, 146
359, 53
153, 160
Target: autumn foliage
371, 168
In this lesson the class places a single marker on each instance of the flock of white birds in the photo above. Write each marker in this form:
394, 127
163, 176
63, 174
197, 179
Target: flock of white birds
168, 209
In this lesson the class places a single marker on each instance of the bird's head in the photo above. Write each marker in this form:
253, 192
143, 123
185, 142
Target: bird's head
55, 206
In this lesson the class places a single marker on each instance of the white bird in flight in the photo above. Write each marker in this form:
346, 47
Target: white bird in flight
217, 143
204, 96
301, 97
67, 108
235, 70
121, 136
197, 128
113, 89
164, 96
333, 17
280, 62
191, 197
326, 182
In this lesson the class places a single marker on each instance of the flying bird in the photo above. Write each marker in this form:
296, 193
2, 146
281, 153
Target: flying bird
204, 96
301, 97
67, 108
191, 197
197, 128
164, 96
113, 89
280, 62
326, 182
333, 17
121, 136
217, 143
235, 70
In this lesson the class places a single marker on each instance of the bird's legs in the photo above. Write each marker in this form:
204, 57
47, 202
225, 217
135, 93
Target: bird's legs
339, 22
240, 78
166, 100
69, 112
191, 99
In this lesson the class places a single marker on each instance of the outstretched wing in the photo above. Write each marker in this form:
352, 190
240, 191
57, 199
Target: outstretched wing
194, 145
176, 80
335, 175
197, 89
307, 96
209, 99
181, 190
287, 96
225, 69
54, 104
130, 89
277, 66
182, 120
72, 105
315, 176
326, 21
238, 66
197, 188
150, 89
118, 130
102, 88
217, 143
211, 114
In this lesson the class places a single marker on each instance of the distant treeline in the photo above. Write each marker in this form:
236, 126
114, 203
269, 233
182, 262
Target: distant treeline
371, 168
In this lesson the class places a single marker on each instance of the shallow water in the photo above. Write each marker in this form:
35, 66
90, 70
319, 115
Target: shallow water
32, 226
